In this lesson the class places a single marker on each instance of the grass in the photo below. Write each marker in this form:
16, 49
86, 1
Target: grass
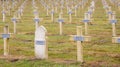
100, 52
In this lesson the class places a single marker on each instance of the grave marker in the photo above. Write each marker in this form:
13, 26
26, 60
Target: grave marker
36, 14
86, 21
79, 38
6, 37
70, 15
41, 49
3, 14
113, 22
52, 15
19, 13
47, 12
14, 20
109, 15
36, 20
60, 20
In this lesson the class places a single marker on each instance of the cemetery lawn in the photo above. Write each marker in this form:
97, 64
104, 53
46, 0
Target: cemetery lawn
100, 52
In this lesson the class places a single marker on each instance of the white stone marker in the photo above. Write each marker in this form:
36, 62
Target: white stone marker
6, 37
60, 20
14, 20
41, 49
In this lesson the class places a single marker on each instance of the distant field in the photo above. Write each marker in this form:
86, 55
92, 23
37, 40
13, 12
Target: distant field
100, 52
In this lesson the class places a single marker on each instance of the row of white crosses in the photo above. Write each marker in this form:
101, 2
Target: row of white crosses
36, 14
62, 4
61, 20
15, 18
86, 20
111, 15
21, 9
84, 2
107, 9
41, 49
80, 5
79, 37
112, 20
91, 10
40, 46
70, 10
88, 16
45, 6
3, 11
6, 36
114, 2
7, 8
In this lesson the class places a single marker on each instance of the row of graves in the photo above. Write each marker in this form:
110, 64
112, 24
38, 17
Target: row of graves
8, 8
116, 3
41, 50
112, 19
16, 18
62, 7
57, 6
